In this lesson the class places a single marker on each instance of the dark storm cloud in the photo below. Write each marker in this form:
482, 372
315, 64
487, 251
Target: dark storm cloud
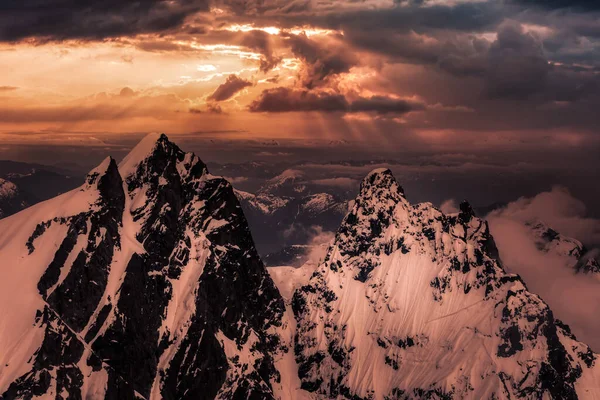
321, 60
518, 67
214, 109
562, 4
89, 19
211, 108
261, 42
229, 88
466, 17
283, 99
347, 15
384, 105
455, 53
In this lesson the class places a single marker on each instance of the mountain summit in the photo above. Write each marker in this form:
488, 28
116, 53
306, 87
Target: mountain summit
412, 303
142, 283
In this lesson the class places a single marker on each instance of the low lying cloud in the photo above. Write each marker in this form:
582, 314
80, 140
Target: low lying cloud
574, 298
318, 243
235, 179
557, 209
229, 88
283, 99
449, 207
341, 182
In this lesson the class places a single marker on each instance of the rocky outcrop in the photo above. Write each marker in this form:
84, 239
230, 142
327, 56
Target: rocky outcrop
153, 290
412, 303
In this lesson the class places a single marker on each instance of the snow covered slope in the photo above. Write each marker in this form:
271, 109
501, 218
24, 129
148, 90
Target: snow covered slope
412, 303
142, 283
145, 283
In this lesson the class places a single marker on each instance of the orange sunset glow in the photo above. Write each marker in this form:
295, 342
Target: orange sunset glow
275, 70
299, 199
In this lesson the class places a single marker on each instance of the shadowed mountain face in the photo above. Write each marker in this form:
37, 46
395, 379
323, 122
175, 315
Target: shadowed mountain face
145, 282
142, 282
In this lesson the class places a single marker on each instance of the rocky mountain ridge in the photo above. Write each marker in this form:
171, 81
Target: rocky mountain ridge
142, 283
145, 283
412, 303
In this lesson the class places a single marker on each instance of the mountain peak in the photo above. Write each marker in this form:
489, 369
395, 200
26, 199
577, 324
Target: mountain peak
144, 149
124, 281
106, 171
380, 179
466, 211
405, 283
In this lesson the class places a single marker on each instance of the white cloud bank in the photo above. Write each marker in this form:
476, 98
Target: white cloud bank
574, 298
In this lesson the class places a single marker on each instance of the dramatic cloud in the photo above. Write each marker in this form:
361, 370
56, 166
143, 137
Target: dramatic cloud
89, 19
557, 209
321, 60
227, 90
513, 77
590, 5
261, 42
574, 298
284, 99
517, 65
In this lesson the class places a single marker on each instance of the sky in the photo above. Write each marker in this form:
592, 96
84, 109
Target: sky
512, 83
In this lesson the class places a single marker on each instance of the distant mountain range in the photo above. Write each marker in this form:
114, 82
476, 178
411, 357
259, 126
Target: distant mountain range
24, 184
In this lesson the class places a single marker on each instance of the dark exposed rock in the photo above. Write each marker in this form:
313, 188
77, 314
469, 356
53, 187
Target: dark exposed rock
186, 220
384, 240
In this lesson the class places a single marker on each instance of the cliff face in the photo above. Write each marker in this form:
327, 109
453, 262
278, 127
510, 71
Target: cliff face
412, 303
144, 283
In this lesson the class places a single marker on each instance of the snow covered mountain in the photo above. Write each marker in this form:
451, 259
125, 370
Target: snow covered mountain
412, 303
142, 283
279, 222
145, 283
11, 198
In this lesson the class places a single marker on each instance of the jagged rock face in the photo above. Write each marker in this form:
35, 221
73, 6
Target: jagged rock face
412, 303
151, 289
